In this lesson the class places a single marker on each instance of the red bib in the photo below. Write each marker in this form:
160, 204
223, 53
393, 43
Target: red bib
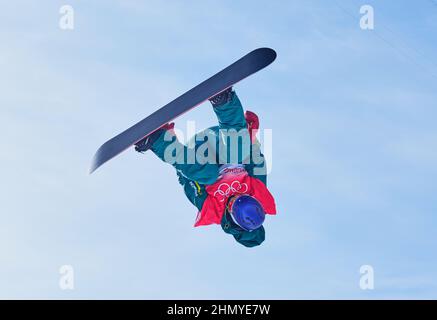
234, 180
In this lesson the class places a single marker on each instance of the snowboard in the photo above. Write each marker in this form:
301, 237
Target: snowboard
242, 68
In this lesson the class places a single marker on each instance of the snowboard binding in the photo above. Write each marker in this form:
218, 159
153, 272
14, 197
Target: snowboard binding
147, 142
222, 98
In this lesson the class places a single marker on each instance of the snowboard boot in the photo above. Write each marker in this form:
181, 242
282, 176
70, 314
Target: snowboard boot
146, 143
222, 98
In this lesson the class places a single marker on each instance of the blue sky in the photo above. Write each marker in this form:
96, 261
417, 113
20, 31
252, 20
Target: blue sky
354, 149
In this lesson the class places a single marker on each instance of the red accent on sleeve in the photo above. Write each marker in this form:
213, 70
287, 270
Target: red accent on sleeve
263, 195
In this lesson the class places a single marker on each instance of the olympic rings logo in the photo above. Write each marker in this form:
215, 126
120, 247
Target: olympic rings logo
224, 190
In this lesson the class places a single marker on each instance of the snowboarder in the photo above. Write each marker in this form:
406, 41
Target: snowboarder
230, 191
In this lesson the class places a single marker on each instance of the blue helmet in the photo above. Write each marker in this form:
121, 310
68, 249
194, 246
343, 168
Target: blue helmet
246, 211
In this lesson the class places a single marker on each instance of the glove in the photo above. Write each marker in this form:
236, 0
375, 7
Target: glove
252, 124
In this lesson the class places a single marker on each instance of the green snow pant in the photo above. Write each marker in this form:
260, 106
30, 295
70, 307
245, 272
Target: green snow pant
209, 143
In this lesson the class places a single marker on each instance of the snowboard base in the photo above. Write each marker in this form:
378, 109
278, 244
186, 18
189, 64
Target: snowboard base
242, 68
